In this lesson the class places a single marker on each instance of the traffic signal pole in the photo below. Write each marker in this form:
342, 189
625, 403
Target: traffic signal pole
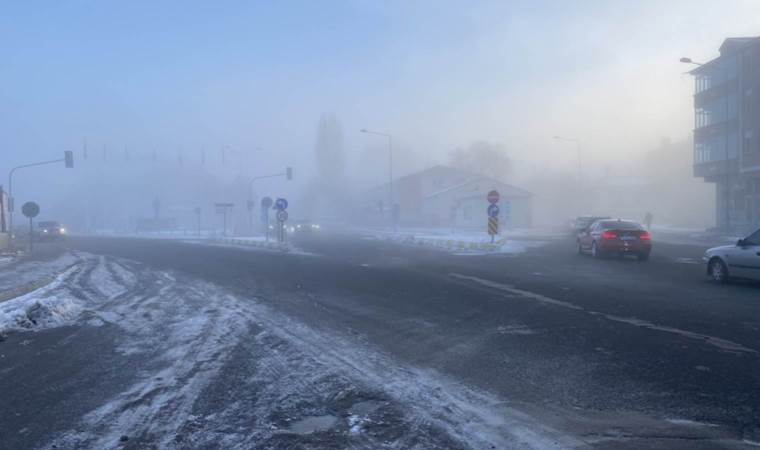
288, 174
68, 158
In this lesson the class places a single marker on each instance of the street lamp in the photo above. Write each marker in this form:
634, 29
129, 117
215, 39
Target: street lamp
727, 166
578, 149
390, 171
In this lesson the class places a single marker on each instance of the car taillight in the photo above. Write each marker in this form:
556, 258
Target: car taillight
645, 236
609, 235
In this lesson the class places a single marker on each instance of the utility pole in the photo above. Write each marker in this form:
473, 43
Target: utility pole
391, 204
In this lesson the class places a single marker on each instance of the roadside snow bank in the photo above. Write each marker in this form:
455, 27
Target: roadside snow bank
41, 308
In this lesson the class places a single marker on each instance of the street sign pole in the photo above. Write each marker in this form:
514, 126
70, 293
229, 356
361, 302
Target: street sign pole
493, 213
282, 215
30, 210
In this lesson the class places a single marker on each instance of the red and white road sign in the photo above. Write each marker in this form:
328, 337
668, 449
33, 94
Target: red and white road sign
493, 197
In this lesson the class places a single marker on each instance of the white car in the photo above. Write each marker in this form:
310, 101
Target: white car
741, 260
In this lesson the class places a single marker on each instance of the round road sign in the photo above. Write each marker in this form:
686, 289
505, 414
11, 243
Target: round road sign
266, 202
30, 209
493, 210
493, 196
281, 204
282, 215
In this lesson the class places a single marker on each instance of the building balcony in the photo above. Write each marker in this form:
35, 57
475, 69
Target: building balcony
709, 95
711, 170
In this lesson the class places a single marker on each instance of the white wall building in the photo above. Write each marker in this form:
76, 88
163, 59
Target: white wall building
443, 196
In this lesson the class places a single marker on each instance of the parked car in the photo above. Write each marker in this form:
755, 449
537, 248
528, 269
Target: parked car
741, 260
48, 230
615, 237
581, 223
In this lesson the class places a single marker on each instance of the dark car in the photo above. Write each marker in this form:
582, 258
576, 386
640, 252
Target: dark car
49, 230
581, 223
615, 237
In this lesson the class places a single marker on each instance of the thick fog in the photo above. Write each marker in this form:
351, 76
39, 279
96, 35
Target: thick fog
169, 108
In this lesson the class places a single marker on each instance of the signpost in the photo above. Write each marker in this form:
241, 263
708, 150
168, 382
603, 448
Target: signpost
223, 208
493, 227
30, 210
281, 205
250, 204
493, 213
266, 203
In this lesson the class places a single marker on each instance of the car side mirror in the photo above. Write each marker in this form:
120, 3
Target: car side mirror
740, 243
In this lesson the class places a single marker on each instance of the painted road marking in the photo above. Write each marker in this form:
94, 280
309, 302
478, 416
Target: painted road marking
720, 343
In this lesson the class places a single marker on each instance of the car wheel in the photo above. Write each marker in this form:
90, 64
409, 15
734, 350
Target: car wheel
595, 252
718, 271
643, 256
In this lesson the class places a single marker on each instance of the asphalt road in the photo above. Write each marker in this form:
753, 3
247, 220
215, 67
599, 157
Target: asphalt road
610, 353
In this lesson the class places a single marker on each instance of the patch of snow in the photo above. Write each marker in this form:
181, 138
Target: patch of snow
313, 424
25, 272
40, 308
690, 423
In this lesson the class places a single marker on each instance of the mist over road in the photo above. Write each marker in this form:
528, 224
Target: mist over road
363, 343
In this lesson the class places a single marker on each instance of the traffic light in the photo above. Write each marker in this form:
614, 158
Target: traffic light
68, 158
289, 173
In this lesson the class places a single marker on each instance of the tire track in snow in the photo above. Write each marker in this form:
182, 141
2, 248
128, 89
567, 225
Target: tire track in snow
186, 331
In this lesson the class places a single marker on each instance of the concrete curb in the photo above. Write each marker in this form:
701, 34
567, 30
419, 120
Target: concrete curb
452, 244
277, 246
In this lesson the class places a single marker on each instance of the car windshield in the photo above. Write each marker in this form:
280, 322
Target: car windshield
753, 239
379, 224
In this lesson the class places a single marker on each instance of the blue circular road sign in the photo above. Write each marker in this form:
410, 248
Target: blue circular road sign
493, 210
281, 204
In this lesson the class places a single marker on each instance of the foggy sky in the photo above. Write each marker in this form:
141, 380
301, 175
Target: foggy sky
437, 75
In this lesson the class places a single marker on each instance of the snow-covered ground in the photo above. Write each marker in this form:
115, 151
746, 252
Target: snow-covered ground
220, 370
17, 273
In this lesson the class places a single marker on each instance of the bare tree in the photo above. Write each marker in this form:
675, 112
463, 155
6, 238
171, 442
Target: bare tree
484, 158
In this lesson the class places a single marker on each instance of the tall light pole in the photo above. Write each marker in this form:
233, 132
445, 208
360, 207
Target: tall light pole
390, 172
68, 160
578, 150
727, 165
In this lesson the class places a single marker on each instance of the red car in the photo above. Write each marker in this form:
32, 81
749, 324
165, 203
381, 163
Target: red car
618, 237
